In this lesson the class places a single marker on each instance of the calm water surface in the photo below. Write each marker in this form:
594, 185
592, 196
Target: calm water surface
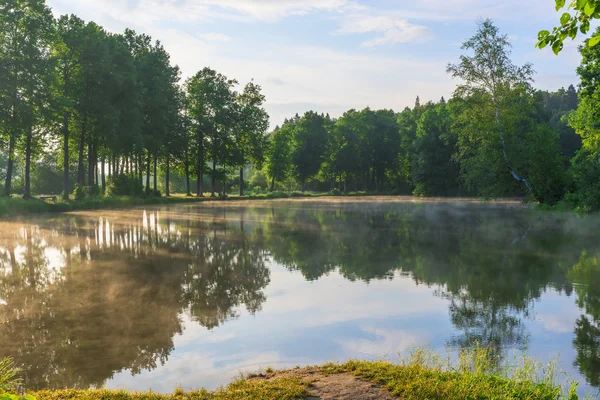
191, 295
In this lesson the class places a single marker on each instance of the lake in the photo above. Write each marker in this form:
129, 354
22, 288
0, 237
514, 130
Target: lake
190, 295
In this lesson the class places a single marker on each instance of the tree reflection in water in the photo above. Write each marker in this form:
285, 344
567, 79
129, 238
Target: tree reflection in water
83, 297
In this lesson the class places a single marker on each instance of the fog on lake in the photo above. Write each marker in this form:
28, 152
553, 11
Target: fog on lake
191, 295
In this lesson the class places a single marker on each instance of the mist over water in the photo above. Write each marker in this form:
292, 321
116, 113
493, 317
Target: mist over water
190, 295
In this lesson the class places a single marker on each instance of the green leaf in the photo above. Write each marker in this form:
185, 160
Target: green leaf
581, 4
594, 40
542, 43
589, 9
543, 34
585, 27
573, 32
565, 18
560, 4
557, 46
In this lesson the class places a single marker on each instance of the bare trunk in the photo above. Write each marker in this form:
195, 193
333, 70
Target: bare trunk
213, 178
155, 174
11, 164
66, 183
200, 166
80, 168
272, 184
242, 181
148, 162
167, 178
187, 178
103, 176
90, 163
28, 140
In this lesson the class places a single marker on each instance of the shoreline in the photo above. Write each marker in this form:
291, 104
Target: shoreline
16, 206
352, 380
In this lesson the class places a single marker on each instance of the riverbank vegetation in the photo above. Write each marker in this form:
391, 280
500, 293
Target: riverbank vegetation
85, 113
422, 375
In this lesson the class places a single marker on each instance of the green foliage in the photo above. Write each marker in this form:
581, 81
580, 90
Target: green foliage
585, 172
124, 185
8, 373
584, 13
309, 135
278, 157
585, 193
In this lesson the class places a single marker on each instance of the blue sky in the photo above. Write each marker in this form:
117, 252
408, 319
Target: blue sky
333, 55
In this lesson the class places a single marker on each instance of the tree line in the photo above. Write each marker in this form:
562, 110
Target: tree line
86, 104
113, 104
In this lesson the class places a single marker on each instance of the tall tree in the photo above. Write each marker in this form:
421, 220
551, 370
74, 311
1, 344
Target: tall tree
66, 51
25, 37
278, 163
310, 137
212, 108
251, 132
490, 70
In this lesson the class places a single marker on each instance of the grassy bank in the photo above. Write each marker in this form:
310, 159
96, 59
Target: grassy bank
404, 381
422, 375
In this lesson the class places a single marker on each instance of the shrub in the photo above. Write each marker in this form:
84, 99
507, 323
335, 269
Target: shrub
83, 192
336, 192
124, 185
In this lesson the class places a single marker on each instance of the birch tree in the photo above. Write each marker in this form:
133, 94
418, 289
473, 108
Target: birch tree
490, 70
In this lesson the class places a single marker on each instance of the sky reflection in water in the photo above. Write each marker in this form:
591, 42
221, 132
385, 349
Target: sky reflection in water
192, 295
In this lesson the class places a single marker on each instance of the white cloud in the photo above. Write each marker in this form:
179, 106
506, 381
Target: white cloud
216, 37
391, 29
273, 10
388, 344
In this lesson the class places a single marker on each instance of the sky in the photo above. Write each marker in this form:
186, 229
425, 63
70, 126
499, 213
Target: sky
334, 55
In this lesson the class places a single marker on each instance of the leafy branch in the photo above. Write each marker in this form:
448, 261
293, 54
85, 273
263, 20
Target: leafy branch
576, 19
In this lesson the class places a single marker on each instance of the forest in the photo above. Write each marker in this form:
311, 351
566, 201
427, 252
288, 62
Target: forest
85, 112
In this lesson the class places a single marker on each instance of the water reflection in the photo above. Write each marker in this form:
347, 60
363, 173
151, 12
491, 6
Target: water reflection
85, 296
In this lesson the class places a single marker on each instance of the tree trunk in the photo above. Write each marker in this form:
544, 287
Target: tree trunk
66, 183
11, 163
302, 186
213, 178
148, 162
103, 176
200, 166
28, 140
90, 164
80, 168
242, 181
507, 162
272, 184
155, 174
187, 177
167, 191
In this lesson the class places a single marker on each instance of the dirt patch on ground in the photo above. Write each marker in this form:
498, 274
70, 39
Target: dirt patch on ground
335, 386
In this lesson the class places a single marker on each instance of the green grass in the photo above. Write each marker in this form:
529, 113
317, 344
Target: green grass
8, 373
477, 374
284, 389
